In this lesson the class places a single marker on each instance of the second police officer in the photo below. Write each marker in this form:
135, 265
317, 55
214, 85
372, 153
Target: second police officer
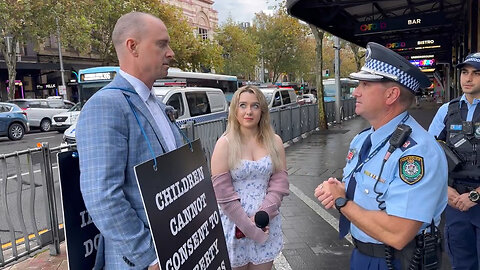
394, 185
458, 124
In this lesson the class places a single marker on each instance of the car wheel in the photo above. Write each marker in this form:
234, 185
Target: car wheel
45, 125
16, 132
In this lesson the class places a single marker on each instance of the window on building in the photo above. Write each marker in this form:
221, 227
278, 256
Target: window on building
203, 33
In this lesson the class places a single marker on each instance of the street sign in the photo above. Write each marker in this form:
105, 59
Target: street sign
62, 89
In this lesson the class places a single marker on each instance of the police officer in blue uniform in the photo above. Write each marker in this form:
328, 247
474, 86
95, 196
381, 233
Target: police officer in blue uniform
394, 185
458, 124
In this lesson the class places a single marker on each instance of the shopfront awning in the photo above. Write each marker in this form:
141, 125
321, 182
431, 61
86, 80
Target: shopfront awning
410, 27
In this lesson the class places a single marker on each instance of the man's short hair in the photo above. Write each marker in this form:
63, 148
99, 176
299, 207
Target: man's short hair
406, 96
128, 25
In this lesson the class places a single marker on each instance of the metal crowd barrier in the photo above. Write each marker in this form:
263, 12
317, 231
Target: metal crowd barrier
27, 188
29, 179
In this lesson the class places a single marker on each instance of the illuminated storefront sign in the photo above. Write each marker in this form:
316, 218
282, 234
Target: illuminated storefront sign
410, 45
396, 45
423, 62
401, 23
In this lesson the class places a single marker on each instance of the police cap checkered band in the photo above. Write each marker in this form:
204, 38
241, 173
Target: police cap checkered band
391, 72
472, 59
382, 64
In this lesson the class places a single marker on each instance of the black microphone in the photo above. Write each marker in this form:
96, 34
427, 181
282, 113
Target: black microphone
171, 112
398, 138
261, 220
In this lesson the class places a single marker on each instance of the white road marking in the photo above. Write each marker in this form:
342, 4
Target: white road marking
48, 137
318, 209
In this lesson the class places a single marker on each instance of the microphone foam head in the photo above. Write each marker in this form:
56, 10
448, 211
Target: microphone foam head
262, 219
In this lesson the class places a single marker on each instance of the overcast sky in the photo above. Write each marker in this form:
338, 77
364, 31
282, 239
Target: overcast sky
240, 10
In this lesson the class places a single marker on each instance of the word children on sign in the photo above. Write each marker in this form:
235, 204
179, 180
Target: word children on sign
182, 211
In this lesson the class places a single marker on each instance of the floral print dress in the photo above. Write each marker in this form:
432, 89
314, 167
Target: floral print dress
250, 180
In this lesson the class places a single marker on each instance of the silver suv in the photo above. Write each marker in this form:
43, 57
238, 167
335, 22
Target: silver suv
40, 112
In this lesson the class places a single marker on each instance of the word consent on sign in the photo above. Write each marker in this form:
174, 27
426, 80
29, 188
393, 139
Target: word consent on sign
182, 211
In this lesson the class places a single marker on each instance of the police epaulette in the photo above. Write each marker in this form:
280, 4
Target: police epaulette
408, 143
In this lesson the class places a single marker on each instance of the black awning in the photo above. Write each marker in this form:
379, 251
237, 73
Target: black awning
410, 27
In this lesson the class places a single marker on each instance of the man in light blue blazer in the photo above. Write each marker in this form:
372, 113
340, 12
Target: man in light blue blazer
111, 142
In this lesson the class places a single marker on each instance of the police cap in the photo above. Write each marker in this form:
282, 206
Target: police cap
382, 64
472, 59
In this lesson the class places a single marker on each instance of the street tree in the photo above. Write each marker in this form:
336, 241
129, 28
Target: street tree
239, 50
358, 54
279, 37
190, 52
28, 20
318, 34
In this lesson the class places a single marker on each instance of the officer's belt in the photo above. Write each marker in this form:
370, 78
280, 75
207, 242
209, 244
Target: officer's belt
378, 250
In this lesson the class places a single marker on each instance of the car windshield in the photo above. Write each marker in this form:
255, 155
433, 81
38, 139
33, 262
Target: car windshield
161, 97
268, 97
20, 103
76, 108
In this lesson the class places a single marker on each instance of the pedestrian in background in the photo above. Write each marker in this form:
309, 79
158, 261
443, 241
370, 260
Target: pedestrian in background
394, 185
119, 127
249, 175
458, 124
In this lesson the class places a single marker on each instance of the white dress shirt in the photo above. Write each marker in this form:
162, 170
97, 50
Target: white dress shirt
151, 101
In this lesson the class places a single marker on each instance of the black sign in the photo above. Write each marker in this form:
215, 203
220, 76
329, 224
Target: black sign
81, 234
401, 23
182, 210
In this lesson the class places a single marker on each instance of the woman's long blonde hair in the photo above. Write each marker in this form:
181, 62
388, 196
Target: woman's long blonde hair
266, 135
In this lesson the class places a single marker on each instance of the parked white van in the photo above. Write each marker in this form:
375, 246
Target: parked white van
280, 97
197, 104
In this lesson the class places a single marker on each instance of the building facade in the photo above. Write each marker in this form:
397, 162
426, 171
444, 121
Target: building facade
200, 14
38, 67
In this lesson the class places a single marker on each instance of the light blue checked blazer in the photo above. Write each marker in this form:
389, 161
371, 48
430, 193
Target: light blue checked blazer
110, 144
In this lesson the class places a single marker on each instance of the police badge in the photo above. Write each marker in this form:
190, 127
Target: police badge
411, 169
477, 130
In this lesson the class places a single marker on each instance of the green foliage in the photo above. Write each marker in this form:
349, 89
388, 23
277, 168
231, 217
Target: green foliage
239, 51
280, 37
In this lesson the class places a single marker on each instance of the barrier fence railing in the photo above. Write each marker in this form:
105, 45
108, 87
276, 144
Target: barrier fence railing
29, 186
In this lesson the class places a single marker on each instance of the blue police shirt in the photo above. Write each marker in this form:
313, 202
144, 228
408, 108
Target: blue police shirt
413, 181
438, 125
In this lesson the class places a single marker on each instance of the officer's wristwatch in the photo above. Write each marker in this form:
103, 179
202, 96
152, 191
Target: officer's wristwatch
340, 202
474, 196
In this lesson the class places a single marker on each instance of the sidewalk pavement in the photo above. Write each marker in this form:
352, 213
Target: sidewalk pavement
310, 232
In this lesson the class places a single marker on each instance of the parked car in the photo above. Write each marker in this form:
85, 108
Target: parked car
64, 120
309, 98
13, 121
197, 104
280, 97
41, 111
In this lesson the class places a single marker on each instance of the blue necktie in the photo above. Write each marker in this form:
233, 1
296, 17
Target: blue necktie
344, 225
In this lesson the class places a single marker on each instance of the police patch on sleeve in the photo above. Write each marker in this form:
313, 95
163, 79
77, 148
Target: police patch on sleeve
411, 169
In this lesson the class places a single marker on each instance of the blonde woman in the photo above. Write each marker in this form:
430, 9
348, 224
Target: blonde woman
249, 175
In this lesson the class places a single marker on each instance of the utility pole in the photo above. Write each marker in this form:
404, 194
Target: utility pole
338, 92
62, 89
